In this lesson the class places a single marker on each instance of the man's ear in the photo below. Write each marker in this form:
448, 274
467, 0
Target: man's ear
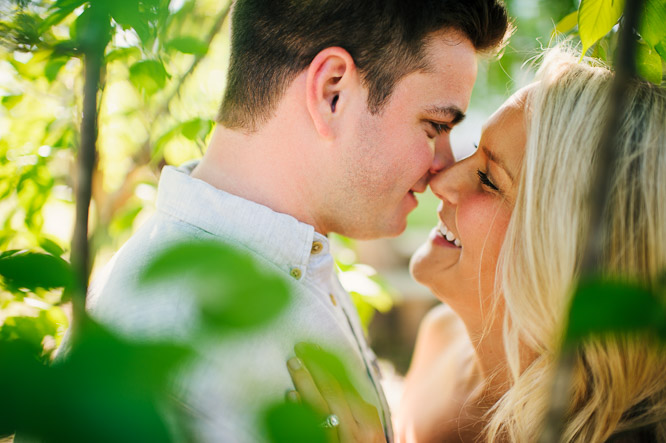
331, 77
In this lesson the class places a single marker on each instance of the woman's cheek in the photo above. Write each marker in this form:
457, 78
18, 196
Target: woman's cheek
482, 223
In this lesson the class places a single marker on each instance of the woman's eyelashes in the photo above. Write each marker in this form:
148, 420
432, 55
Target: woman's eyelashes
485, 181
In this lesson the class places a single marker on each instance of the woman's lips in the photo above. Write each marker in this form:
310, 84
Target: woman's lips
439, 237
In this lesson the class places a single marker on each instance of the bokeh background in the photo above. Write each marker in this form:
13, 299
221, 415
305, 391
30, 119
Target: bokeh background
157, 106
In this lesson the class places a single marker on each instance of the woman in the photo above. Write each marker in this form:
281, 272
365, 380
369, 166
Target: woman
504, 257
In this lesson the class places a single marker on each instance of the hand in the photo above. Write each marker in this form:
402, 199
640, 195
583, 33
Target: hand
322, 382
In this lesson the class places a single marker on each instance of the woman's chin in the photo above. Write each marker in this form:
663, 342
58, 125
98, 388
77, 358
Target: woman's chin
421, 265
432, 263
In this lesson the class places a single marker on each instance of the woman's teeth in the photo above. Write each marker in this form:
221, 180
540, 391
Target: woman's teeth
447, 234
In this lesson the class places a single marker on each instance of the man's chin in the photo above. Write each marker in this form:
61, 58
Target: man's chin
375, 232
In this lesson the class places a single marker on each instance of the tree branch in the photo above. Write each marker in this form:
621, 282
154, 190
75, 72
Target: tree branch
86, 165
598, 199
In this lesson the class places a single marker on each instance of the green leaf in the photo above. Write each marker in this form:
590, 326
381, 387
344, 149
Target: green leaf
51, 246
26, 28
566, 24
188, 45
648, 63
61, 10
653, 22
92, 29
31, 329
9, 101
196, 129
602, 307
33, 270
164, 139
232, 291
148, 76
596, 18
127, 14
290, 422
123, 54
599, 52
661, 49
67, 4
123, 221
103, 388
53, 67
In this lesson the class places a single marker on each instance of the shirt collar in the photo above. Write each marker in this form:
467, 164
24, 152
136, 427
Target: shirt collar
278, 237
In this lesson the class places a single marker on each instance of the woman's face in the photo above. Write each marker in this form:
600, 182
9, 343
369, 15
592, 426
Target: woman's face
459, 259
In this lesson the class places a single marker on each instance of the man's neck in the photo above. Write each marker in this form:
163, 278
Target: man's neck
262, 168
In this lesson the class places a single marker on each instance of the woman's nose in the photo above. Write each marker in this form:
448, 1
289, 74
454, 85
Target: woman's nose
449, 182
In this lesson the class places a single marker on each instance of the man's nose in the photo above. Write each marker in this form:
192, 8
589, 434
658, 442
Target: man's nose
443, 157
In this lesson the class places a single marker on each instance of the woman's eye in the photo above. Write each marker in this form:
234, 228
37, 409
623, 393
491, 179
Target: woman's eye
483, 178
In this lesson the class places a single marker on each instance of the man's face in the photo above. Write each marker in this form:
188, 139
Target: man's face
389, 156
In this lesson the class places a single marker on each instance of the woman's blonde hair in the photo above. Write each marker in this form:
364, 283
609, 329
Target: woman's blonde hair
619, 383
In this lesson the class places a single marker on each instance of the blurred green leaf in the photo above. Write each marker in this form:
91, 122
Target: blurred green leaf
596, 18
30, 329
653, 22
661, 49
602, 307
123, 54
196, 129
366, 312
648, 63
165, 138
148, 76
127, 14
233, 292
31, 270
92, 29
25, 29
9, 101
124, 220
289, 423
568, 23
188, 45
61, 9
599, 52
105, 390
53, 67
68, 4
51, 246
316, 359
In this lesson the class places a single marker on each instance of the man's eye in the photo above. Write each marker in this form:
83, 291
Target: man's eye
440, 127
483, 178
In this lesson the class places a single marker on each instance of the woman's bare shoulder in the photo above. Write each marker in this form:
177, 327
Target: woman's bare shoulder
441, 325
440, 334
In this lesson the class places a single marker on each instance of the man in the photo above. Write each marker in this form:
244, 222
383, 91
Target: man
336, 113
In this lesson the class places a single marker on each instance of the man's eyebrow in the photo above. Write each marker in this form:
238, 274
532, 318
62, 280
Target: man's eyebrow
495, 159
452, 113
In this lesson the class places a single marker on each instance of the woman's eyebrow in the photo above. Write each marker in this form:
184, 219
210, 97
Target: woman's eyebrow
497, 160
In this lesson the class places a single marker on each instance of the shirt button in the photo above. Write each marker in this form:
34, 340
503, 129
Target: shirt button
295, 272
333, 300
316, 247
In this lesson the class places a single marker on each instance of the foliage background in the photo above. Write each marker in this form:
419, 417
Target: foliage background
163, 75
163, 79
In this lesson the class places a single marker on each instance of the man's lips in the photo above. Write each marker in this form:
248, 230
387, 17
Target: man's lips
419, 187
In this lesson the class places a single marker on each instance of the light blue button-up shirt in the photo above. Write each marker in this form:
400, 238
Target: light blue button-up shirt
232, 380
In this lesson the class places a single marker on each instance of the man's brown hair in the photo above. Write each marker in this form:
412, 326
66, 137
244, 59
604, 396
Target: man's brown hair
272, 41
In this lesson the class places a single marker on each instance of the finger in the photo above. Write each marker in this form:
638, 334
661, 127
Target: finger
305, 385
322, 367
